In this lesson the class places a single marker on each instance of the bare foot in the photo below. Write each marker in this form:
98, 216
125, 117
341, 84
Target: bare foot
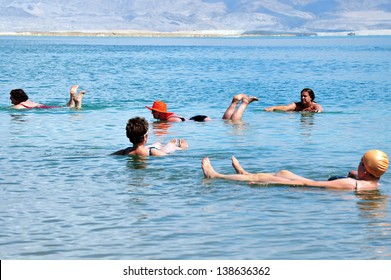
249, 99
238, 97
183, 144
72, 93
74, 89
207, 168
238, 168
78, 99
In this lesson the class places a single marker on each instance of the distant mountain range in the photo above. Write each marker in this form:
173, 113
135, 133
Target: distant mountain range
193, 15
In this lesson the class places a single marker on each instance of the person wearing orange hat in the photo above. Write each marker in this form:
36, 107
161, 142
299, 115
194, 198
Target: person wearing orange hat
160, 112
372, 166
233, 112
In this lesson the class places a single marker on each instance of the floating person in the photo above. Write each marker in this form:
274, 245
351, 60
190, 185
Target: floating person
307, 104
137, 131
20, 100
159, 111
372, 166
235, 114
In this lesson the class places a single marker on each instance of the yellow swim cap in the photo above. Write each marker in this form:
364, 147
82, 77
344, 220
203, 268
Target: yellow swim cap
375, 162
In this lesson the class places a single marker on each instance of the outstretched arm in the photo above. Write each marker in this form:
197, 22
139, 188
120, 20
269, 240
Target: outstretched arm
171, 147
284, 108
342, 184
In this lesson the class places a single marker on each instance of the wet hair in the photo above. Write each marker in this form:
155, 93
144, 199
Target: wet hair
19, 95
311, 93
136, 129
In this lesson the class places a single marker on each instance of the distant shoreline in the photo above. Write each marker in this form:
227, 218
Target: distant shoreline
202, 33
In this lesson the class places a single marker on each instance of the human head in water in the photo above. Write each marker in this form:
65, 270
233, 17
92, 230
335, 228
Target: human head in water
136, 129
310, 92
375, 163
17, 96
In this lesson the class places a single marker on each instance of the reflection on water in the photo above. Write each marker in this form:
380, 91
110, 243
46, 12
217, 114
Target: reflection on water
160, 127
239, 126
373, 210
306, 123
19, 117
136, 162
372, 204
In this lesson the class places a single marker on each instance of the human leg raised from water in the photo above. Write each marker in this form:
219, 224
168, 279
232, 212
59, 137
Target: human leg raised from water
75, 101
208, 169
263, 178
231, 108
246, 100
238, 168
78, 99
286, 174
210, 172
282, 173
72, 93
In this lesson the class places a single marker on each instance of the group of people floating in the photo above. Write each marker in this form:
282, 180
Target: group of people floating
372, 166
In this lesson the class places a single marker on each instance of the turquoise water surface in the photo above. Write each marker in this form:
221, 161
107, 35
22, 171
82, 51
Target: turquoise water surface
64, 197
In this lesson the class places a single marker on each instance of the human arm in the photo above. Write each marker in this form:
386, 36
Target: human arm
353, 174
284, 108
18, 106
315, 108
342, 184
171, 147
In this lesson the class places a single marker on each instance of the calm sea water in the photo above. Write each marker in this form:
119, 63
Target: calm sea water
64, 197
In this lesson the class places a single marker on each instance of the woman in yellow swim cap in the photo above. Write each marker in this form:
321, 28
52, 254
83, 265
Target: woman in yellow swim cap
375, 163
372, 166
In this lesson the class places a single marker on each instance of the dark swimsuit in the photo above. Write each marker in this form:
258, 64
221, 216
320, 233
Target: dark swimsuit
198, 118
150, 150
126, 153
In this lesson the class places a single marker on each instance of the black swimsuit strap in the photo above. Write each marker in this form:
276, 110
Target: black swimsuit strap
150, 150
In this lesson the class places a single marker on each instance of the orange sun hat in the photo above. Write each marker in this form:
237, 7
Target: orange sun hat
158, 106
